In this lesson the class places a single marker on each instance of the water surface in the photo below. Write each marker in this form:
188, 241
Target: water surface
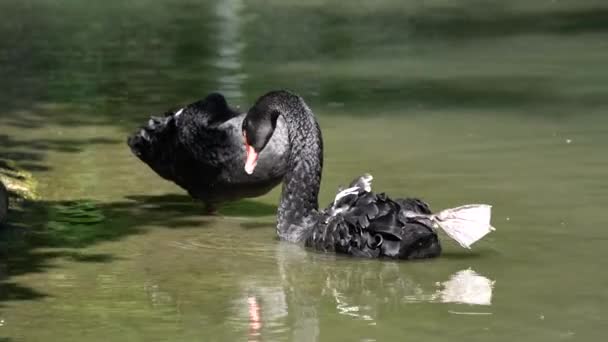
456, 103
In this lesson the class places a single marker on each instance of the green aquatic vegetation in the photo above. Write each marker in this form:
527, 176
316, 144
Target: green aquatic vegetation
74, 223
77, 212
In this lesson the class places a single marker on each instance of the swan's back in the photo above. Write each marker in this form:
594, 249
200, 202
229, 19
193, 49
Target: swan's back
366, 224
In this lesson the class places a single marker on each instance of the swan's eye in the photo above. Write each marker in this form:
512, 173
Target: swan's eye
245, 138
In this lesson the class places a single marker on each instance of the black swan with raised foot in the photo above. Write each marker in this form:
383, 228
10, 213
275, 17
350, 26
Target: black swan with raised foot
359, 222
200, 148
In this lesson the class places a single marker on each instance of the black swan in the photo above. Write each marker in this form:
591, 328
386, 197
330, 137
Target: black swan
200, 148
359, 222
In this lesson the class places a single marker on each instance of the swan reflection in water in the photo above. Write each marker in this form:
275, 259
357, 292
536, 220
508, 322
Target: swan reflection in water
363, 290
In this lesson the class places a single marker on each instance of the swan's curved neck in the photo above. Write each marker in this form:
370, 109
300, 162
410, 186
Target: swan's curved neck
297, 212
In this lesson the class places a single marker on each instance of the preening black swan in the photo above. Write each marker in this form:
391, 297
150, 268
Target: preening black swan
200, 148
359, 222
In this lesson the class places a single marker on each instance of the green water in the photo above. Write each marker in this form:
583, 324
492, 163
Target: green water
457, 102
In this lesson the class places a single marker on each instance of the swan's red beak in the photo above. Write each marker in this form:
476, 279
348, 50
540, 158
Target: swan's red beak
252, 157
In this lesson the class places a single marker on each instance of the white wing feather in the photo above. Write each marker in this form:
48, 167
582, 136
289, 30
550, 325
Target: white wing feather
366, 183
346, 192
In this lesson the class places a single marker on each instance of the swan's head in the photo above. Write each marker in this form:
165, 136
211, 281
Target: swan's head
258, 126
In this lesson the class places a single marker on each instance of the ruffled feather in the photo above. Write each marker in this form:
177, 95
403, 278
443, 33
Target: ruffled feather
364, 224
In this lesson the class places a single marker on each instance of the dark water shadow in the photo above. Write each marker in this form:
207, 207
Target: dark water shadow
470, 23
463, 255
41, 232
248, 208
360, 96
258, 225
81, 91
30, 154
462, 22
12, 291
340, 36
187, 205
59, 145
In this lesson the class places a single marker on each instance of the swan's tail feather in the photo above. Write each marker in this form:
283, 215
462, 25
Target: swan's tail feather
153, 144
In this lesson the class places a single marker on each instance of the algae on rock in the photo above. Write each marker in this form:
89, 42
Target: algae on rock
19, 183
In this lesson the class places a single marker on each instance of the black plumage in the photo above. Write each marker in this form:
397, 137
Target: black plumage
373, 225
359, 222
200, 148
